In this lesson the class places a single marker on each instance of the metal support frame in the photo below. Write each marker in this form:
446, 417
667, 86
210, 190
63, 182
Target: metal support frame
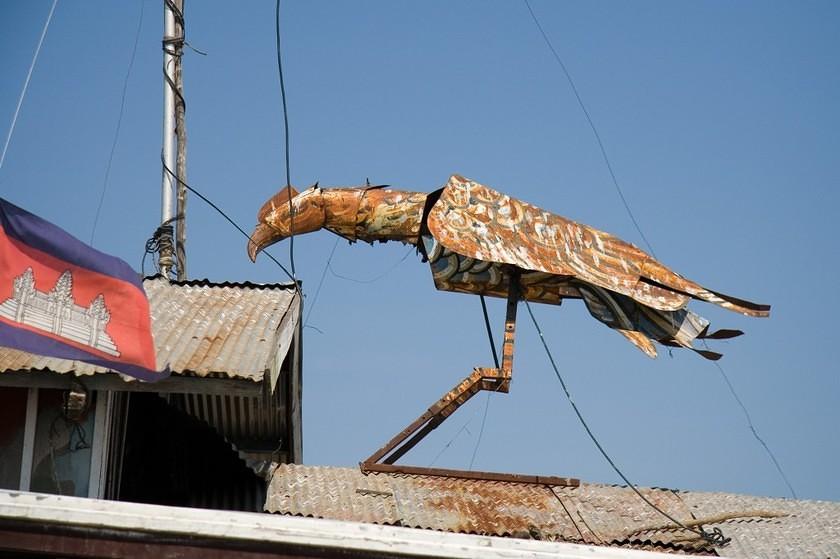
101, 444
496, 380
28, 438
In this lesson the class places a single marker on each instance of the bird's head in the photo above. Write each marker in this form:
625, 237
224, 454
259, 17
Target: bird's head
277, 219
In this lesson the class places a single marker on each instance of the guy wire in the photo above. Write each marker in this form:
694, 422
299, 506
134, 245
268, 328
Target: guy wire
26, 83
487, 399
639, 229
715, 537
752, 427
119, 124
591, 125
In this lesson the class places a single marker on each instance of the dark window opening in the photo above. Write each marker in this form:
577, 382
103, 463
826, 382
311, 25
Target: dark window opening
172, 458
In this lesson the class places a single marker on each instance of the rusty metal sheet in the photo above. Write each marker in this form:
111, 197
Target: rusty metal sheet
334, 493
617, 515
227, 332
476, 221
436, 503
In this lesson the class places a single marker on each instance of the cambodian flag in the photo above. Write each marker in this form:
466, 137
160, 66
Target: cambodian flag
62, 298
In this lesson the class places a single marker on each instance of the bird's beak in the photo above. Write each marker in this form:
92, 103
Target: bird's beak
262, 237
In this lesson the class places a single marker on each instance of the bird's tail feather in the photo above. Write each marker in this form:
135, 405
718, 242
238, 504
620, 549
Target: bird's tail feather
697, 291
733, 303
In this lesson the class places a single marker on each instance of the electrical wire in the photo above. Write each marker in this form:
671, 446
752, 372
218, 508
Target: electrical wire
160, 241
286, 130
26, 83
591, 125
119, 124
715, 537
375, 278
452, 440
328, 267
321, 282
229, 220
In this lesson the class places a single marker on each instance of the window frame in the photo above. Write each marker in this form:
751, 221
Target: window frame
99, 446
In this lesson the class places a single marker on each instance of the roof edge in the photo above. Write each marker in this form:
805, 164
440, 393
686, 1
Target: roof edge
204, 282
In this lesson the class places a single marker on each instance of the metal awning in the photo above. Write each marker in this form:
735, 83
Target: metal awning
201, 328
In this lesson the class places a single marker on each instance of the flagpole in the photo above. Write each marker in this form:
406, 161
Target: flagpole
167, 200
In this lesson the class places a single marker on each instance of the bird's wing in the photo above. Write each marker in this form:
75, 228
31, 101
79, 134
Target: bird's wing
476, 221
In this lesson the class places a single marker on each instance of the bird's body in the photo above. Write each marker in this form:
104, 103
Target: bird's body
477, 239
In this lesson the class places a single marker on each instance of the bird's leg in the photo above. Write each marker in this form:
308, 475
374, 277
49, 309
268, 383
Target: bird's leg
482, 378
510, 328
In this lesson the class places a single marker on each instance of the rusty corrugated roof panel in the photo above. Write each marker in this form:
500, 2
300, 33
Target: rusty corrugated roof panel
442, 503
615, 515
482, 507
200, 328
592, 514
335, 493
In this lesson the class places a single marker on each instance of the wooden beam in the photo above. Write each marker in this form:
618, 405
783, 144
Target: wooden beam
295, 394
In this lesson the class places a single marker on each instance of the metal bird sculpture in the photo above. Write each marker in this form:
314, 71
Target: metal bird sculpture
477, 240
483, 242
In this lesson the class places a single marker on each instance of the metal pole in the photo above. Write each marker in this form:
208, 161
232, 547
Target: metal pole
167, 199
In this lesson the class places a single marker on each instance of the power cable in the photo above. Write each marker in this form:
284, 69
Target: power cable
119, 124
715, 537
752, 427
591, 125
229, 220
26, 83
286, 130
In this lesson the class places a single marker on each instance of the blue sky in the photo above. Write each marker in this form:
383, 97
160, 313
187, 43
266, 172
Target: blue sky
722, 124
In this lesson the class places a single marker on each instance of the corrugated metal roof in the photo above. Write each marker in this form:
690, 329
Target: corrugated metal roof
75, 523
591, 514
807, 529
201, 328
